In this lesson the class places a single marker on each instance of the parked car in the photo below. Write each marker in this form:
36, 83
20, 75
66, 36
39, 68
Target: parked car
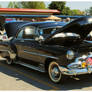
60, 52
3, 37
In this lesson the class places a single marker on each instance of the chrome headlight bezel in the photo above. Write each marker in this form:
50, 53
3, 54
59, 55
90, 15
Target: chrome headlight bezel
70, 54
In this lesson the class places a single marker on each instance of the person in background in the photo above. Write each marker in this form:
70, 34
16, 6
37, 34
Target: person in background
68, 20
33, 20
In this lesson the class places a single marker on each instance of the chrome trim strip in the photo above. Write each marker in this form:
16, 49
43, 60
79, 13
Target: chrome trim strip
29, 66
29, 39
33, 53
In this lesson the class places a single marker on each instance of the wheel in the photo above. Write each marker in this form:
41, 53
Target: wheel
54, 72
9, 61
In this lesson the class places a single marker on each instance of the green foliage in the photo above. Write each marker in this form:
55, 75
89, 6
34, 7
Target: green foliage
77, 12
64, 10
86, 11
13, 5
89, 11
57, 5
33, 5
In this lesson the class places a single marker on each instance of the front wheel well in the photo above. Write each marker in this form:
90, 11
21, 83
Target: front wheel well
47, 62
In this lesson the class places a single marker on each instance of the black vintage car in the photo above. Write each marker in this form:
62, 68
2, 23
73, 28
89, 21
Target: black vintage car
54, 47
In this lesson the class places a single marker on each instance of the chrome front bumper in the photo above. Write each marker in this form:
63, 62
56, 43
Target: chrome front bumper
77, 71
66, 71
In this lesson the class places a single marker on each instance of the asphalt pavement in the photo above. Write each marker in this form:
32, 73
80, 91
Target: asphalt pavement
17, 77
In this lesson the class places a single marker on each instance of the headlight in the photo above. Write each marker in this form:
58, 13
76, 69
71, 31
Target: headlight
84, 56
70, 54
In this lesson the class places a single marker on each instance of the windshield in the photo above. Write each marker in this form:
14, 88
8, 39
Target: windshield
48, 31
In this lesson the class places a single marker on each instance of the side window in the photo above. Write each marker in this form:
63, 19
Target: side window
41, 31
20, 34
46, 32
30, 32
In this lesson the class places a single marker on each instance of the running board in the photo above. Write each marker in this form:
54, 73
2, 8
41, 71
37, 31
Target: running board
29, 66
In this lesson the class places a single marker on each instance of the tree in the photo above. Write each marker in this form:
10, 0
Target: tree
57, 5
66, 11
13, 5
77, 12
89, 11
86, 11
33, 5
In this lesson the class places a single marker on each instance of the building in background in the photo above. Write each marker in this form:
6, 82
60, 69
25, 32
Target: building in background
16, 11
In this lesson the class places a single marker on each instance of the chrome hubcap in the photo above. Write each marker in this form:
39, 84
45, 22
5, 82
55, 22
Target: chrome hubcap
55, 73
9, 61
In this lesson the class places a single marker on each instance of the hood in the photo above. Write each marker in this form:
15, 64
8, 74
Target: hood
81, 26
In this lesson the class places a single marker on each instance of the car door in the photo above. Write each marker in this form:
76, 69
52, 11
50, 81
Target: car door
30, 48
27, 46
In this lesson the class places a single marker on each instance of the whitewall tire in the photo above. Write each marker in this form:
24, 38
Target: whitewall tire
9, 61
54, 72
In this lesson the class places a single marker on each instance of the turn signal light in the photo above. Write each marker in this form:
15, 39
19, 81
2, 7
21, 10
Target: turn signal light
84, 64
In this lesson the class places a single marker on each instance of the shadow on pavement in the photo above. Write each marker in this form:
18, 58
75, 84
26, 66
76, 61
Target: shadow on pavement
41, 80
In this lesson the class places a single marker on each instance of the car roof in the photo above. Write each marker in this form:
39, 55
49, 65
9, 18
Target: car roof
46, 24
12, 27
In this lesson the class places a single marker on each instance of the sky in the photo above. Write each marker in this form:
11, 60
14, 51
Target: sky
79, 5
82, 5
